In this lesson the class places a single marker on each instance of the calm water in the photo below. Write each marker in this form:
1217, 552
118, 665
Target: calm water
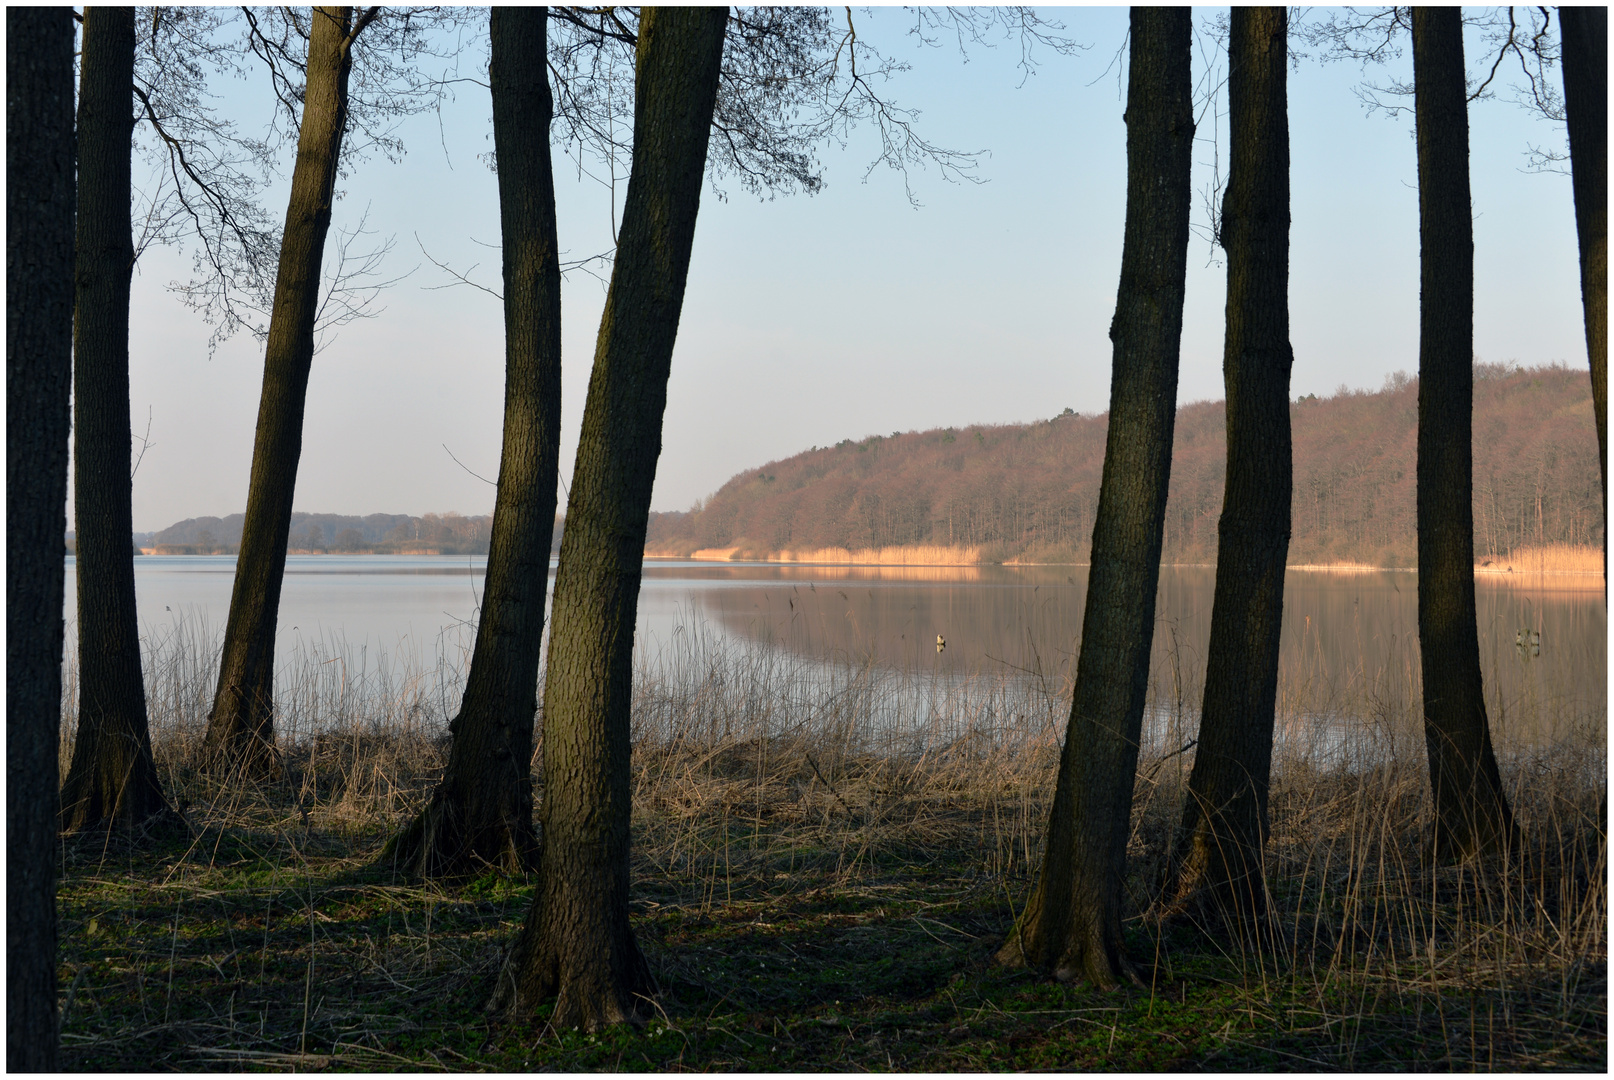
1349, 640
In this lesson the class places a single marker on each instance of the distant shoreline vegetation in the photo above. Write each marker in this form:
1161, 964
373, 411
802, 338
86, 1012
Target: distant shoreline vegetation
1524, 561
1020, 494
332, 534
1025, 494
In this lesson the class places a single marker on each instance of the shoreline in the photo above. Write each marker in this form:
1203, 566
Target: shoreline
722, 555
1493, 571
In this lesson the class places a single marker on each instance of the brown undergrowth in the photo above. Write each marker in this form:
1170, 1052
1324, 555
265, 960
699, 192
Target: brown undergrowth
824, 860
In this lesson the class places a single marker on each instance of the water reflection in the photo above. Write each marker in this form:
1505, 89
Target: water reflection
1349, 667
1349, 648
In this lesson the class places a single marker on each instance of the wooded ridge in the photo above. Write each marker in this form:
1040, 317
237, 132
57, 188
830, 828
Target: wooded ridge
446, 534
1028, 492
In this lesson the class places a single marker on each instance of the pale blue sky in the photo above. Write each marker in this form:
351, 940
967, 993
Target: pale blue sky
809, 320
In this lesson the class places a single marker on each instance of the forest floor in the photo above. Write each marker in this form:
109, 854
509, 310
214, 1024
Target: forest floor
837, 917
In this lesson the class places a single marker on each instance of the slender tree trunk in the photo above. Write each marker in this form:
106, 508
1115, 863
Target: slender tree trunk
113, 777
39, 364
1585, 34
240, 729
1218, 860
576, 941
481, 812
1471, 809
1072, 924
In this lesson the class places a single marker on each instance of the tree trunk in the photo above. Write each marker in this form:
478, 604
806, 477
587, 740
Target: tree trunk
1218, 857
1472, 814
113, 778
481, 811
576, 941
240, 729
1072, 924
1585, 34
39, 364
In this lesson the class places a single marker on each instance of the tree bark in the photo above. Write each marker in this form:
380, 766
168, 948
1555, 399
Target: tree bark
1585, 42
113, 778
1472, 815
240, 728
1072, 924
39, 351
1218, 856
576, 941
481, 812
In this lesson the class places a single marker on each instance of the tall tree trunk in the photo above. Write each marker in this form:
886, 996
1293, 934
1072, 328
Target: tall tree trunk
576, 941
1072, 924
240, 729
481, 812
1218, 859
1471, 809
39, 364
1585, 34
113, 778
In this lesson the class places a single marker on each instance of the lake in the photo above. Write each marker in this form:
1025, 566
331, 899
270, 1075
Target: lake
1349, 639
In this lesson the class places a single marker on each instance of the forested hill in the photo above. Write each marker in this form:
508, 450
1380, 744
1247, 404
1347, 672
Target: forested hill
448, 534
1029, 491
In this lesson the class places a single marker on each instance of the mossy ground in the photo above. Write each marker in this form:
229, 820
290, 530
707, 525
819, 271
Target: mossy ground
266, 940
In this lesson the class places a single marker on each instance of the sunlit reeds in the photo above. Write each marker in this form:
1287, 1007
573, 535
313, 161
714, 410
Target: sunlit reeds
896, 555
1571, 560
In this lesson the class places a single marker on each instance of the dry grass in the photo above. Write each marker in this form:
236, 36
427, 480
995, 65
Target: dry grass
899, 555
1565, 559
824, 857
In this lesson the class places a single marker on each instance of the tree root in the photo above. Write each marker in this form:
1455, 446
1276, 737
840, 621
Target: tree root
1084, 951
439, 843
593, 969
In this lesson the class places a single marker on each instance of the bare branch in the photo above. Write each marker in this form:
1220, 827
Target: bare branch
459, 278
353, 282
145, 444
462, 465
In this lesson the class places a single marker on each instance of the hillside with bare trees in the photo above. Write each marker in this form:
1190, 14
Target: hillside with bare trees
1028, 492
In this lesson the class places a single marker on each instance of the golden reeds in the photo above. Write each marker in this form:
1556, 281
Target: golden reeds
899, 555
1546, 559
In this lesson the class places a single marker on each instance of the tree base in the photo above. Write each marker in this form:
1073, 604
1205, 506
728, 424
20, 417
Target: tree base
156, 827
1494, 838
439, 843
130, 800
1217, 884
1085, 950
592, 968
246, 758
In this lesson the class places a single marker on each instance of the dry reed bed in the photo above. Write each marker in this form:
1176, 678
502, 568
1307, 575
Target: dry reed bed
752, 767
1546, 559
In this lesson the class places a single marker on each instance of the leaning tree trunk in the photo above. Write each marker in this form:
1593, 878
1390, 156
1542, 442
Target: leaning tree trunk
576, 941
240, 729
39, 364
1471, 810
113, 778
1072, 924
481, 812
1585, 34
1218, 856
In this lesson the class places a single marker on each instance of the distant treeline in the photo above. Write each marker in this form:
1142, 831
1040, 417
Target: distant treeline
440, 534
1029, 491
